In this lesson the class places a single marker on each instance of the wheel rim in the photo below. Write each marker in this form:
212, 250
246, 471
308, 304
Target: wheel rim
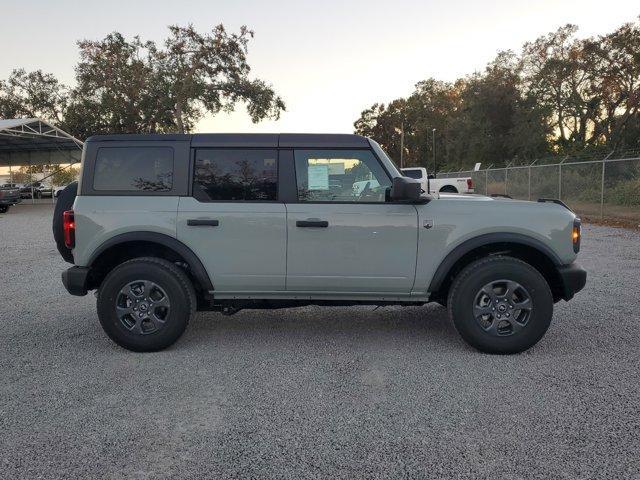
142, 307
502, 307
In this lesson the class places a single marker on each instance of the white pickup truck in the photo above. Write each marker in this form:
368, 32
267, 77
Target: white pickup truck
430, 184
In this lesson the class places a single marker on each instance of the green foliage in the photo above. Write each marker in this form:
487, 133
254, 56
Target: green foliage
33, 94
559, 95
64, 176
135, 86
625, 193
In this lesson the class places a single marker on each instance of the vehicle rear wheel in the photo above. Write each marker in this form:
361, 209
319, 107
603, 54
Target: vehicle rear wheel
448, 189
145, 304
501, 305
65, 202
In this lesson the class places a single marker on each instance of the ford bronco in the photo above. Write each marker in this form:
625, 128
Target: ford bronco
164, 225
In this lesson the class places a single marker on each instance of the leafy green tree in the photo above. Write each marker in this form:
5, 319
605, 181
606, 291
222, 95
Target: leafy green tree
64, 176
560, 94
32, 94
136, 86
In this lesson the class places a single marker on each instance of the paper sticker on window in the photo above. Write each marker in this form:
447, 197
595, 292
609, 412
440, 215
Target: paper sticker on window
318, 177
336, 168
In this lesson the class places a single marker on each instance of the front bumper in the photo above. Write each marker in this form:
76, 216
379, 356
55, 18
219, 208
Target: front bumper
574, 278
74, 280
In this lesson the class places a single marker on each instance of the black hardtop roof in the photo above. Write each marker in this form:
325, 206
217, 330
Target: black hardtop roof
272, 140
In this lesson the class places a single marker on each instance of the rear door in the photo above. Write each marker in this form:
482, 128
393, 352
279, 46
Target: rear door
343, 236
233, 220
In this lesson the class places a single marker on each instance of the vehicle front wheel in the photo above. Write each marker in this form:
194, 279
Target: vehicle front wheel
500, 304
145, 304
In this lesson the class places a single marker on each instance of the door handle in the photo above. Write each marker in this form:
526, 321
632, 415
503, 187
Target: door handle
202, 222
312, 223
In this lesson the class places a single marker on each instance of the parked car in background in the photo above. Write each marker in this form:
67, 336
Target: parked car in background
37, 189
9, 196
430, 184
58, 190
12, 185
164, 225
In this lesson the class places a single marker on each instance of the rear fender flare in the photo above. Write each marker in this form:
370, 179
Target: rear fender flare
195, 265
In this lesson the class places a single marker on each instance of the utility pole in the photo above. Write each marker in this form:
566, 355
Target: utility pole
433, 139
401, 144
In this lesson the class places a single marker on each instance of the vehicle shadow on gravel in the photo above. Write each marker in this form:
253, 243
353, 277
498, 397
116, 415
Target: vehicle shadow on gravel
429, 325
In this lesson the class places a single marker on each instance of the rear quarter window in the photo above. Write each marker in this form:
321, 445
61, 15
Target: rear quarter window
134, 169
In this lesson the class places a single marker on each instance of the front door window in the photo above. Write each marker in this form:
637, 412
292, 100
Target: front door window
353, 176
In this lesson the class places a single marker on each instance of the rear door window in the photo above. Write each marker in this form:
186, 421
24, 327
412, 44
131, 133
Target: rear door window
134, 169
235, 175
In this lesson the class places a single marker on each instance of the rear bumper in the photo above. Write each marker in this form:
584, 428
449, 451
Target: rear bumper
574, 278
74, 280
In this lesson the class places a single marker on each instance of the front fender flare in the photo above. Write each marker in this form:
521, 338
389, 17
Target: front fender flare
487, 239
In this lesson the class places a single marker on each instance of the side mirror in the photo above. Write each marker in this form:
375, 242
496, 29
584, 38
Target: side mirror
405, 189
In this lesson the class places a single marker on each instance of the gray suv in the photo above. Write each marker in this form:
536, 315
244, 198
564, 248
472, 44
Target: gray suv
165, 225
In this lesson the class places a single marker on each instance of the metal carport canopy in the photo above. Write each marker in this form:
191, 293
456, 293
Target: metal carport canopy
33, 141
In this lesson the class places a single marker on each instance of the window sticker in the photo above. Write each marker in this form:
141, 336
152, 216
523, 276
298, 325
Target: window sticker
336, 168
318, 177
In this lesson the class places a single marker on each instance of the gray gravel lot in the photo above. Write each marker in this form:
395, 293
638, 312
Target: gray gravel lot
315, 392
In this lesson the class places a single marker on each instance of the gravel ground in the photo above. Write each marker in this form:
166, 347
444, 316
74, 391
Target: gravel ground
315, 392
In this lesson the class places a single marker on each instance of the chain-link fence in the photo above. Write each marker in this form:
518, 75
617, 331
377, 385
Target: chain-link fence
607, 187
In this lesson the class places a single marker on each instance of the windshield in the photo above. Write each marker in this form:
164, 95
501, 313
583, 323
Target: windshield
384, 158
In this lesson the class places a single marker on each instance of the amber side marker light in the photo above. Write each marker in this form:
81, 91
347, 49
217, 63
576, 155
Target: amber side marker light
576, 234
69, 228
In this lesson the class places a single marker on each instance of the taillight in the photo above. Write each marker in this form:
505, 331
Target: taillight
576, 233
469, 184
69, 227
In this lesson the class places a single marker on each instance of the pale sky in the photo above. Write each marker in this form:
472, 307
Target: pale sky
329, 60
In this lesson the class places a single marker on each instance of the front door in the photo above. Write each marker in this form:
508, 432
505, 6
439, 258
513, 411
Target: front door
233, 220
342, 235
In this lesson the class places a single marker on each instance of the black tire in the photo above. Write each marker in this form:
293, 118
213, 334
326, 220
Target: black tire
4, 208
486, 332
448, 189
65, 202
127, 330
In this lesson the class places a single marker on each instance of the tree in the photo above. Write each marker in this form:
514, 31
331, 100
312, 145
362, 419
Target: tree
560, 94
33, 94
135, 86
64, 176
211, 72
